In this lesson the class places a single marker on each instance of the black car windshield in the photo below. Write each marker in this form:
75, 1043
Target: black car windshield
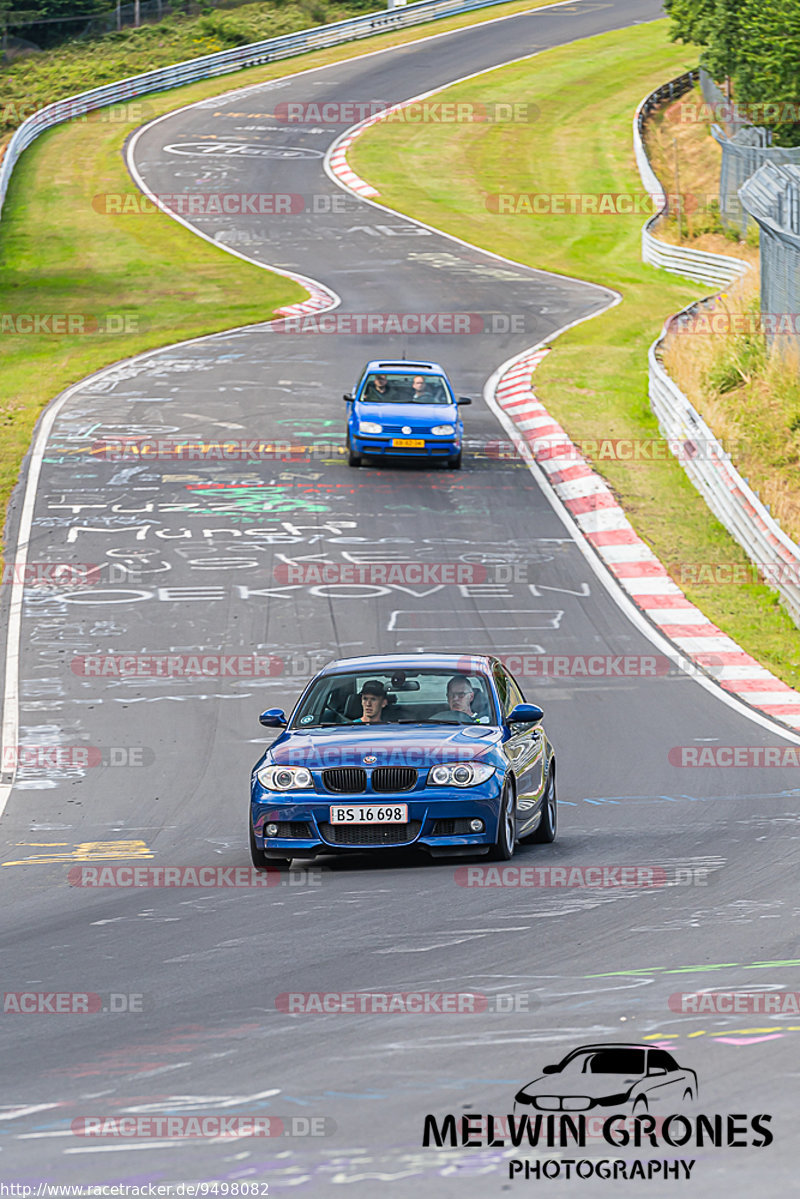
405, 389
421, 697
613, 1061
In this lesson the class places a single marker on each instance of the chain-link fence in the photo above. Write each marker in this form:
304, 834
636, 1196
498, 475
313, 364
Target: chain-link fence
745, 147
725, 111
742, 155
772, 198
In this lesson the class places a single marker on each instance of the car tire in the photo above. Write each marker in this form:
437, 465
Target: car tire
454, 463
260, 859
688, 1096
640, 1107
353, 459
503, 848
548, 826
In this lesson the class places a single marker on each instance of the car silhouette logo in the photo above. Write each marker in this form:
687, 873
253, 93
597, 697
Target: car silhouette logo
369, 759
643, 1076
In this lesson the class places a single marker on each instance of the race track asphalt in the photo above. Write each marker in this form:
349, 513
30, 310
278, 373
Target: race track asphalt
195, 547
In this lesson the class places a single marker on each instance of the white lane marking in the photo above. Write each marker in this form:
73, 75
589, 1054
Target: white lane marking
16, 1113
129, 1146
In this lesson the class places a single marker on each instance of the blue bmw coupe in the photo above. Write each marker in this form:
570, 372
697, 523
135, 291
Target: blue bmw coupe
405, 410
437, 751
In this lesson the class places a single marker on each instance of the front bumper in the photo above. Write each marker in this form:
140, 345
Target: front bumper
381, 447
436, 822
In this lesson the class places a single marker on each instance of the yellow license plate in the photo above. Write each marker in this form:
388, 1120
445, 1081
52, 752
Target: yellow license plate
408, 444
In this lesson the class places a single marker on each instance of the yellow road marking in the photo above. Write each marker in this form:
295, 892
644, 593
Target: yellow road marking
85, 851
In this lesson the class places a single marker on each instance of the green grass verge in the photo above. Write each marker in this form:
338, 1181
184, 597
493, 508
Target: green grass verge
58, 255
595, 381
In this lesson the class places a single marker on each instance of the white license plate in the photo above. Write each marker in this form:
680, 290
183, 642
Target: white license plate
396, 813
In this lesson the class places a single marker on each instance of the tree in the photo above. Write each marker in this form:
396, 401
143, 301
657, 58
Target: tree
753, 44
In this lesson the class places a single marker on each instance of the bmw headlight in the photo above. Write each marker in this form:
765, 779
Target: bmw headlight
369, 426
463, 774
443, 429
285, 778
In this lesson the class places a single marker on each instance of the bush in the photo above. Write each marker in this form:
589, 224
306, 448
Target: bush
740, 361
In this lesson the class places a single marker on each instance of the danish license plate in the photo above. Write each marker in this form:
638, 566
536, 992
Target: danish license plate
408, 443
396, 813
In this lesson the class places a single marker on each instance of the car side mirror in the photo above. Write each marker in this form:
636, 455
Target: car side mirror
525, 714
273, 718
347, 397
657, 1070
550, 1070
463, 400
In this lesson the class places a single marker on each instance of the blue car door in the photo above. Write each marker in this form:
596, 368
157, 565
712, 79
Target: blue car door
524, 750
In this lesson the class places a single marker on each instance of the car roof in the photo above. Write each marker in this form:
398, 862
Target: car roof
610, 1045
457, 663
421, 368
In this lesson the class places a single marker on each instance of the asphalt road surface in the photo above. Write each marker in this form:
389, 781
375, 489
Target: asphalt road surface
188, 1019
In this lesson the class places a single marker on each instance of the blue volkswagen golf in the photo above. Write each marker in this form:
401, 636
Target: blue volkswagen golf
437, 751
407, 410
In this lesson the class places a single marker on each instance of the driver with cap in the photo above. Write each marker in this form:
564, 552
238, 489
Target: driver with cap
373, 700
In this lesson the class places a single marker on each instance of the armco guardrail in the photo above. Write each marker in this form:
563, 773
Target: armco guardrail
727, 494
709, 467
223, 63
717, 270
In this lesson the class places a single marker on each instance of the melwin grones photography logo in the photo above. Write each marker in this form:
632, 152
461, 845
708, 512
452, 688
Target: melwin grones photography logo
620, 1095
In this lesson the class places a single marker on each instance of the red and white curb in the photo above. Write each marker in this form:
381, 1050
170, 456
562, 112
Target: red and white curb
337, 161
319, 300
598, 514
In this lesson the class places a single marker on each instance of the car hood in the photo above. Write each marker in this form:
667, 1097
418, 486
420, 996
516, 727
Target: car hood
394, 414
392, 745
568, 1082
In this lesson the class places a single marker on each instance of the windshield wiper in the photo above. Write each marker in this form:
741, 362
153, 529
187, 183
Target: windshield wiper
424, 722
326, 724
